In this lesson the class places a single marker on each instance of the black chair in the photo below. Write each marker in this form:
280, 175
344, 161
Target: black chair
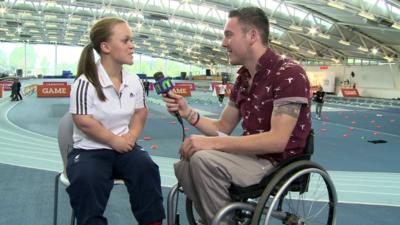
296, 192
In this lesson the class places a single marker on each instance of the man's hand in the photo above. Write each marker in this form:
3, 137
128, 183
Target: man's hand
176, 103
193, 144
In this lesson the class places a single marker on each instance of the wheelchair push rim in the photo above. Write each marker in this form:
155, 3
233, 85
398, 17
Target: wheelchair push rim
315, 206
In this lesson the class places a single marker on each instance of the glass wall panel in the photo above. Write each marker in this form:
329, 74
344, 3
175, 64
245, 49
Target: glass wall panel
43, 59
40, 59
68, 58
11, 57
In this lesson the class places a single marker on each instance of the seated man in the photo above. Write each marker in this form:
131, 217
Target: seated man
270, 96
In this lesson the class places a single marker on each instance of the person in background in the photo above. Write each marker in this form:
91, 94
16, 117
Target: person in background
221, 93
146, 85
16, 90
319, 101
270, 98
109, 111
14, 87
352, 81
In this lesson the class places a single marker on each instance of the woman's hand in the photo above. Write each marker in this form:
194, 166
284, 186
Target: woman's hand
121, 144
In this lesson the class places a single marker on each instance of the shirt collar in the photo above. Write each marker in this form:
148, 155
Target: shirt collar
104, 78
266, 61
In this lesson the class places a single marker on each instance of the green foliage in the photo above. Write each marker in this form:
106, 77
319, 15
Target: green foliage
17, 57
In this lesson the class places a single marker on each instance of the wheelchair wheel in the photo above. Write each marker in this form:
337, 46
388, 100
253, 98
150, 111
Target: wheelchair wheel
191, 213
289, 199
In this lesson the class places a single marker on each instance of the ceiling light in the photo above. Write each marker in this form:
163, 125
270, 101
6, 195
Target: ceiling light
283, 56
276, 42
3, 10
336, 4
388, 58
335, 60
364, 49
311, 52
198, 37
159, 38
273, 21
367, 15
313, 30
295, 27
374, 51
294, 47
177, 41
50, 17
396, 25
325, 36
344, 42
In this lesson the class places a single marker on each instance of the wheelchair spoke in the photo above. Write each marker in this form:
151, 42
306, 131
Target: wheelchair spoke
307, 197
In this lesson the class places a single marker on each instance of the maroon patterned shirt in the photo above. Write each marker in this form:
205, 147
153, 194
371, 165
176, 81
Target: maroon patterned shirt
277, 82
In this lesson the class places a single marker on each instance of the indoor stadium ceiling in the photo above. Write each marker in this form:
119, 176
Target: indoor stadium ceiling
191, 31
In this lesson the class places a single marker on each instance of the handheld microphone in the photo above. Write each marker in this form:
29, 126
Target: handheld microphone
162, 86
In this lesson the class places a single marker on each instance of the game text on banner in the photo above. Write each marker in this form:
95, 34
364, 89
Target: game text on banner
184, 91
350, 92
53, 91
6, 85
54, 83
191, 85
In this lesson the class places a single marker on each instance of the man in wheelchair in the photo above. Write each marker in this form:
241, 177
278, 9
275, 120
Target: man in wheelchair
271, 98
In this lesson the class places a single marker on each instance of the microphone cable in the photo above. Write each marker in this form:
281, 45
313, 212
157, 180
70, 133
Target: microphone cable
179, 118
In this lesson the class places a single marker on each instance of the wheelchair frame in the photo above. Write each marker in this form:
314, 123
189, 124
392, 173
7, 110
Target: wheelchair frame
270, 199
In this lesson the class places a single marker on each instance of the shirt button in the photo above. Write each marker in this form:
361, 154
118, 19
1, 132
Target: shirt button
248, 99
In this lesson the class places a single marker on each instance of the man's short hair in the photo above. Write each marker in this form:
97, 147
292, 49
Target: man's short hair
253, 16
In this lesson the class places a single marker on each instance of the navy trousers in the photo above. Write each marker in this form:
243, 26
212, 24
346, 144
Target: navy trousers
92, 173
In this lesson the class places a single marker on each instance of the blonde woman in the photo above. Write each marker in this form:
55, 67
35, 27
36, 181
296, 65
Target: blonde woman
109, 112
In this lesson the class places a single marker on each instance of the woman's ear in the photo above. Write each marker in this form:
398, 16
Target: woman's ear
104, 47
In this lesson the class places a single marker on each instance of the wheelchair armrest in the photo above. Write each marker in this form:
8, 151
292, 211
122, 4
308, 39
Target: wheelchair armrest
239, 193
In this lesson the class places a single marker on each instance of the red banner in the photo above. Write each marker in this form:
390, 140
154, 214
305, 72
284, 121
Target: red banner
53, 90
350, 92
1, 91
6, 85
184, 91
323, 67
55, 83
191, 85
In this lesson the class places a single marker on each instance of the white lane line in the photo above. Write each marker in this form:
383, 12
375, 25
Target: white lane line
347, 193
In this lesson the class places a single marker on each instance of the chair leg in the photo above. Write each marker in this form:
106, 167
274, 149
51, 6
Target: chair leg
72, 218
55, 212
170, 204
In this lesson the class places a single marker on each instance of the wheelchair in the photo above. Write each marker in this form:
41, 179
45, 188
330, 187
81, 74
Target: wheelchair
295, 192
